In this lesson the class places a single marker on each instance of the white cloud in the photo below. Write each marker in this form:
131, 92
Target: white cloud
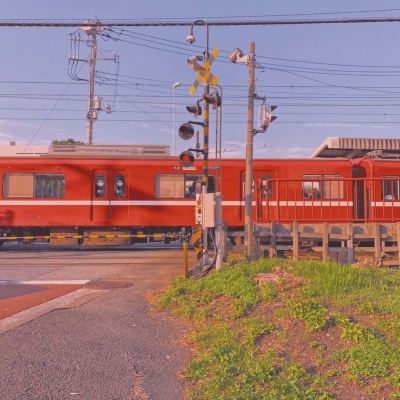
333, 124
381, 127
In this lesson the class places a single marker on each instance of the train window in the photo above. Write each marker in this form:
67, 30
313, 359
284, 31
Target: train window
329, 188
193, 184
333, 187
180, 186
49, 186
100, 185
171, 186
119, 186
190, 189
311, 188
244, 187
18, 185
390, 188
266, 192
34, 185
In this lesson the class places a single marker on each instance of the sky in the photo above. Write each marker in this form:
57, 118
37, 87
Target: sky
327, 80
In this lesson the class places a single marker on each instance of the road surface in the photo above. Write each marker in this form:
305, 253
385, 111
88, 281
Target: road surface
101, 339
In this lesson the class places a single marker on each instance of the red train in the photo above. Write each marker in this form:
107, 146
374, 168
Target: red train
124, 198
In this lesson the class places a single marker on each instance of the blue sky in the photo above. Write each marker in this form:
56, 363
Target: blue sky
327, 80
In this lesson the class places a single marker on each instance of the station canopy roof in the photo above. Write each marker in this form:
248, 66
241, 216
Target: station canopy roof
337, 147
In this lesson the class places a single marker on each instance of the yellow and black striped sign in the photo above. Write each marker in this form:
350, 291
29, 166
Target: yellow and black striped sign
197, 241
204, 72
47, 237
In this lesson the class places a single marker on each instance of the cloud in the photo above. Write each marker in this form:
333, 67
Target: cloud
382, 127
284, 152
333, 125
6, 136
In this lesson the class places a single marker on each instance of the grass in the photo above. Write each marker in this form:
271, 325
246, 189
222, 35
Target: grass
318, 331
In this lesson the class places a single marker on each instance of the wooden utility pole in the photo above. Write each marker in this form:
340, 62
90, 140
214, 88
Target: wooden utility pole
92, 113
249, 153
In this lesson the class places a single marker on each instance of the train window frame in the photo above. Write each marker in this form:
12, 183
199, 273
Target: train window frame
316, 187
178, 186
390, 187
100, 186
34, 185
169, 186
264, 179
310, 186
49, 186
334, 188
119, 186
266, 193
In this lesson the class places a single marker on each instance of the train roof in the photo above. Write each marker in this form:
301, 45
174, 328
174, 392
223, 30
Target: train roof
350, 148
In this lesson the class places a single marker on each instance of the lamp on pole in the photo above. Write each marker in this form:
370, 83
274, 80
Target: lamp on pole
191, 39
174, 86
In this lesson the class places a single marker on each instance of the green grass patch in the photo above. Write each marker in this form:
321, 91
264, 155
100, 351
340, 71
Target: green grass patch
323, 331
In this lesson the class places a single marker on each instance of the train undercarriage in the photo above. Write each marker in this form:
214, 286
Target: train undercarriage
94, 236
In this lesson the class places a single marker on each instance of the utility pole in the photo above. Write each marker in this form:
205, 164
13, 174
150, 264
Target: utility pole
92, 113
92, 29
249, 153
264, 119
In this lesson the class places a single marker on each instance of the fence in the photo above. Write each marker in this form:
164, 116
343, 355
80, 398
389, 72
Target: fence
339, 242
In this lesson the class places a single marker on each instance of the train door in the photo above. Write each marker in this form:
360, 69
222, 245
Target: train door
110, 196
361, 194
261, 193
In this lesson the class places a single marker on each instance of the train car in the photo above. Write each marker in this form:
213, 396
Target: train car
124, 200
378, 188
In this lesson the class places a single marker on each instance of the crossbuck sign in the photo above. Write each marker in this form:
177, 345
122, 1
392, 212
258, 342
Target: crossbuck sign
204, 72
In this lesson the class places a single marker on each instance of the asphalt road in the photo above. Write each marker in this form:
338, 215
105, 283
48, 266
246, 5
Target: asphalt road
105, 344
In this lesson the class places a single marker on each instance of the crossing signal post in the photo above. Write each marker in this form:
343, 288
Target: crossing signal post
203, 74
265, 116
186, 159
186, 131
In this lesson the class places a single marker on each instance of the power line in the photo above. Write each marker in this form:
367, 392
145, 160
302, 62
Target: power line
152, 23
363, 122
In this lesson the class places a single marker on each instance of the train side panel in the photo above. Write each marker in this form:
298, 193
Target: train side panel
134, 195
382, 189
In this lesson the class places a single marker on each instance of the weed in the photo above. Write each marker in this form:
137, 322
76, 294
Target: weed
268, 292
371, 359
367, 308
353, 331
311, 312
253, 329
330, 279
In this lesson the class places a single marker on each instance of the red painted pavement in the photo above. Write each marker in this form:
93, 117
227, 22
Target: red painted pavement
16, 297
